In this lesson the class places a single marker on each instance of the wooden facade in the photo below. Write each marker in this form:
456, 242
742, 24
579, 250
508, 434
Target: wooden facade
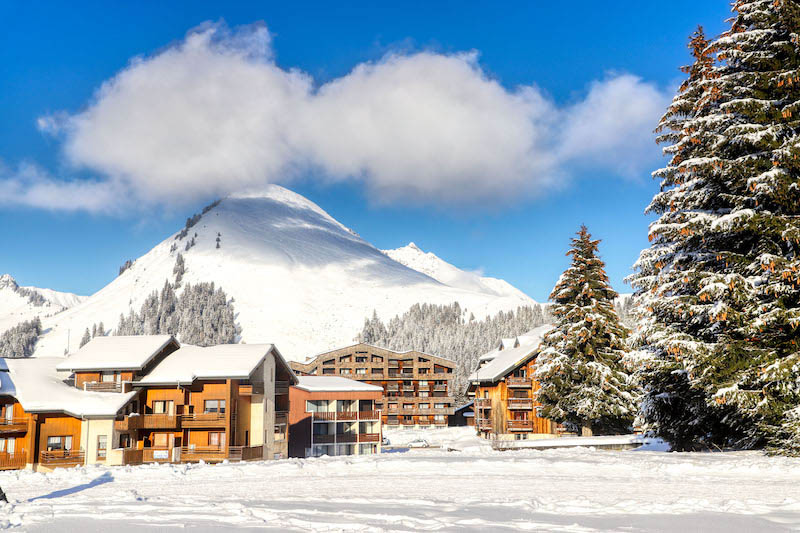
348, 425
417, 386
506, 408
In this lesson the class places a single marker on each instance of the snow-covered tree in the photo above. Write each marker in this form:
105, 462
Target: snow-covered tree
179, 269
86, 338
20, 340
584, 382
721, 281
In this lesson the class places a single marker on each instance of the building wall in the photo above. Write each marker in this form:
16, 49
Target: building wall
90, 430
57, 425
389, 369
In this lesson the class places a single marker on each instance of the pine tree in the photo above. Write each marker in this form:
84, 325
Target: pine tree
85, 339
583, 378
720, 282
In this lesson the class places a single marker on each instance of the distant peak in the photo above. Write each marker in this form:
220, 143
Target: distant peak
6, 280
413, 246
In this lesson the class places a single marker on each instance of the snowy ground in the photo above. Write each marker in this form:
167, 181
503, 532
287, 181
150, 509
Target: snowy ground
476, 489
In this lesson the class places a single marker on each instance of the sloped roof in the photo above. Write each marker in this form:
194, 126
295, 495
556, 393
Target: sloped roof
37, 385
506, 360
223, 361
123, 352
334, 384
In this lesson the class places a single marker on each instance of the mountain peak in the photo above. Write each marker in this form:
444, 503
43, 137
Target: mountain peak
6, 280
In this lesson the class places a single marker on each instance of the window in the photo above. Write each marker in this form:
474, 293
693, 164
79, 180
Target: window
361, 370
102, 446
361, 359
329, 362
214, 406
2, 444
440, 406
316, 406
377, 371
392, 406
125, 440
160, 440
109, 377
346, 371
423, 383
216, 438
8, 412
423, 394
57, 443
424, 406
164, 407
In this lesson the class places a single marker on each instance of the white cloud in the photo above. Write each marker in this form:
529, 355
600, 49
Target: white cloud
215, 114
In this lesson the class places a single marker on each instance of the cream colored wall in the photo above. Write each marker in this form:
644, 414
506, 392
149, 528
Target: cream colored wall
90, 429
268, 420
257, 420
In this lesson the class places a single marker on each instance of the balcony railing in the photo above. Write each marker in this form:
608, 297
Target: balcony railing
484, 423
132, 456
157, 455
200, 420
512, 381
250, 389
281, 417
520, 425
208, 453
439, 388
62, 458
346, 438
12, 461
103, 386
520, 403
13, 425
483, 403
281, 387
345, 416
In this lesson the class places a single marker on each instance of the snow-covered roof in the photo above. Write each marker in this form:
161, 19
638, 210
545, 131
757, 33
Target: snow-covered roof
507, 360
37, 385
311, 359
224, 361
124, 352
334, 384
506, 344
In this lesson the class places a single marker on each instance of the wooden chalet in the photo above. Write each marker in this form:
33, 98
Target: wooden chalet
331, 415
416, 386
503, 391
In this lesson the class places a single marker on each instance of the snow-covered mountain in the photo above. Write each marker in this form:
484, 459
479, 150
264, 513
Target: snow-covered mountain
18, 304
298, 277
431, 265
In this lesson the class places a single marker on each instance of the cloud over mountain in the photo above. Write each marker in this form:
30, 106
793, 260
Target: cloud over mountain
214, 114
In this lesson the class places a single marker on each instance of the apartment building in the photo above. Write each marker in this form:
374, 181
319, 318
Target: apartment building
417, 387
331, 415
503, 391
129, 400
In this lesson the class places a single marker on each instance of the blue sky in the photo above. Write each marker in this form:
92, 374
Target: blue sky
55, 56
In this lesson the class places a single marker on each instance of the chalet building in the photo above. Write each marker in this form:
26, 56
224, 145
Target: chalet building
503, 390
331, 415
129, 400
417, 387
48, 423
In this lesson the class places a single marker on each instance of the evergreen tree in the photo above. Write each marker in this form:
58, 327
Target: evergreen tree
720, 282
580, 368
20, 340
85, 339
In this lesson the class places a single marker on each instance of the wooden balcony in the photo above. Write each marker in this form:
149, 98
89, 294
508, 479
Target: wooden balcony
369, 437
209, 454
281, 418
346, 438
407, 423
157, 455
345, 416
483, 403
132, 456
515, 382
103, 386
203, 420
250, 390
12, 461
520, 403
439, 388
520, 425
61, 458
13, 425
160, 421
484, 424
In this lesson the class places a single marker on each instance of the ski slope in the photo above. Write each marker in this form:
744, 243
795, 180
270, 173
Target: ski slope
299, 278
16, 307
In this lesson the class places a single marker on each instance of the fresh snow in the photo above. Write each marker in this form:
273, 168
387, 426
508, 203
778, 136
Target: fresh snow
299, 278
503, 361
16, 307
39, 387
431, 265
334, 384
123, 352
574, 490
188, 363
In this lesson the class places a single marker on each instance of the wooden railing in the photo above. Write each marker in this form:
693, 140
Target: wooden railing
484, 403
345, 416
369, 437
520, 425
132, 456
103, 386
484, 423
13, 461
520, 403
250, 389
9, 425
208, 453
199, 420
281, 417
157, 455
281, 387
62, 458
512, 381
438, 388
252, 453
346, 438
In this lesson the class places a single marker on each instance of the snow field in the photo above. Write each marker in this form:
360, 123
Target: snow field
476, 489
